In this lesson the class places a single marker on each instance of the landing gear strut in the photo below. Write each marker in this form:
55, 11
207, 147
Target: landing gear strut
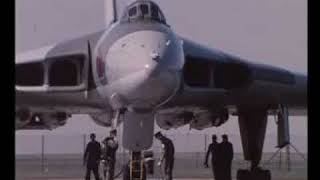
253, 125
115, 120
137, 136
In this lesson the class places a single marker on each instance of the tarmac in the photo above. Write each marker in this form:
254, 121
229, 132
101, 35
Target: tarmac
187, 167
115, 179
152, 179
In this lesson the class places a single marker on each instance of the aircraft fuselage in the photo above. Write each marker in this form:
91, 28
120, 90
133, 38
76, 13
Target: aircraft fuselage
138, 65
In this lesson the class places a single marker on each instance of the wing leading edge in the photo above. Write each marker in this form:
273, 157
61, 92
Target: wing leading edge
212, 78
58, 72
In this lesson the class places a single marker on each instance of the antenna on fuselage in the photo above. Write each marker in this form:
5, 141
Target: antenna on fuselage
111, 13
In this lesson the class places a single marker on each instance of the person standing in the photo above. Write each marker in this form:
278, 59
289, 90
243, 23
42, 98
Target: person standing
111, 147
227, 157
167, 156
91, 157
214, 150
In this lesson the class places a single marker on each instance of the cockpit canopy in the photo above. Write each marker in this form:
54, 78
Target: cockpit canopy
143, 10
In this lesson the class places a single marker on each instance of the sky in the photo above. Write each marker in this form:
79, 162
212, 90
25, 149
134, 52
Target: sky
271, 32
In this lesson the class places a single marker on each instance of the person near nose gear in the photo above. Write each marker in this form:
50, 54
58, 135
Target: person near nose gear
91, 157
109, 155
167, 156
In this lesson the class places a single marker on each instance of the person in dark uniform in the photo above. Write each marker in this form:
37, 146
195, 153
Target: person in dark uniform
111, 147
167, 156
214, 150
91, 157
227, 157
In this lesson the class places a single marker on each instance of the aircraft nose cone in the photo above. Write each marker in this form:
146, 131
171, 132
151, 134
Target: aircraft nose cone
143, 68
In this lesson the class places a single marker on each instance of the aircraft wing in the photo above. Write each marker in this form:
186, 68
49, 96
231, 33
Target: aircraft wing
57, 78
58, 67
213, 78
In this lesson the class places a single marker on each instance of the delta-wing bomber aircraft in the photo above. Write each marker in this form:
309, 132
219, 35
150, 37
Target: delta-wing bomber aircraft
138, 71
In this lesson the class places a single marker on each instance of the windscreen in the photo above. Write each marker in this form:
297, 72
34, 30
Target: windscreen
133, 11
143, 11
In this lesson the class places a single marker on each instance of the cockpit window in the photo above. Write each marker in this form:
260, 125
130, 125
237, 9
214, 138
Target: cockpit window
162, 18
144, 9
154, 12
133, 11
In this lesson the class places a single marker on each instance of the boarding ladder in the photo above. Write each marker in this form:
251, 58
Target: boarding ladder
136, 166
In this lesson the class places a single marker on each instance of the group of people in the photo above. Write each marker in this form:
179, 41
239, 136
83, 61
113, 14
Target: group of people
221, 156
94, 154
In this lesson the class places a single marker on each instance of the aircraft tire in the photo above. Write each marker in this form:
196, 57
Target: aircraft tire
244, 174
263, 174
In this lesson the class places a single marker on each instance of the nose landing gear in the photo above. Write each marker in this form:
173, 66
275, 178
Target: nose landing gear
137, 136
